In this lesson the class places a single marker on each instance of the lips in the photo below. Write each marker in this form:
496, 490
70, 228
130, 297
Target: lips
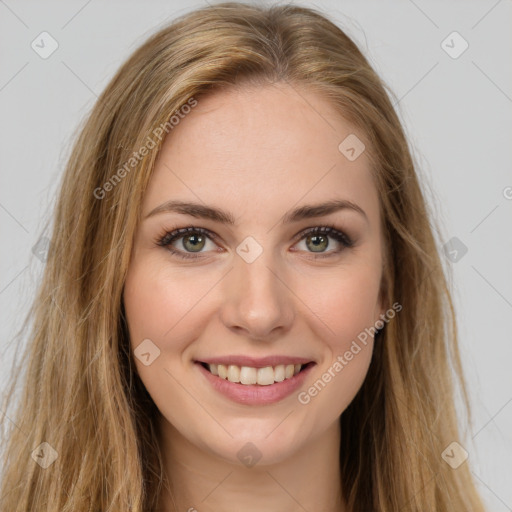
255, 371
260, 384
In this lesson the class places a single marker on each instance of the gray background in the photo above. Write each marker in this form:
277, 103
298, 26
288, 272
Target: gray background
457, 113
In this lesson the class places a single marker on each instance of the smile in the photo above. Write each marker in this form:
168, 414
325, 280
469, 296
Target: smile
255, 382
248, 375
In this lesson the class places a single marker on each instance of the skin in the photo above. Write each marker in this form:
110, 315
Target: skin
257, 153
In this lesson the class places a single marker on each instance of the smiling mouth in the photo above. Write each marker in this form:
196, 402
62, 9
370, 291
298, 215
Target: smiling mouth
250, 376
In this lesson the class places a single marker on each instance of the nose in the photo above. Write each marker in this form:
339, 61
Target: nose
259, 303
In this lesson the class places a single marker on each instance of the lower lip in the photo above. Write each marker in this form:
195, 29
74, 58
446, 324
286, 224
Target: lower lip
256, 394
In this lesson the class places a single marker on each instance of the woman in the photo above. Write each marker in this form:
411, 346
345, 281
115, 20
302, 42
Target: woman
243, 306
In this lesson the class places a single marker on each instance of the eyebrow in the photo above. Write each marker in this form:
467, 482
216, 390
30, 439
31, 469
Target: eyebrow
216, 214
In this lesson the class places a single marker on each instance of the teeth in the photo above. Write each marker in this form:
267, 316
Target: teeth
265, 376
250, 376
233, 373
279, 373
223, 371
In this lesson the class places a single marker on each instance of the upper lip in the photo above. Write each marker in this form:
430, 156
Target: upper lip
255, 362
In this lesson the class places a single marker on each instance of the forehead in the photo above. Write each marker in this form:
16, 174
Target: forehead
260, 148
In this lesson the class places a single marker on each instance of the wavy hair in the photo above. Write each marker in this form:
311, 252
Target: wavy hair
80, 391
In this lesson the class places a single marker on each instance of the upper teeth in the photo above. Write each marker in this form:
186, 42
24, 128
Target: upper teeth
248, 375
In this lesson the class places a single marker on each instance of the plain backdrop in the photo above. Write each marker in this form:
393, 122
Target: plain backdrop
455, 103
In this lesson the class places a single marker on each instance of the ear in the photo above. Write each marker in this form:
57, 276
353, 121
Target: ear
382, 305
382, 300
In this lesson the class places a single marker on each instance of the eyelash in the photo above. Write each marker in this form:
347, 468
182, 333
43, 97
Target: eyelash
166, 239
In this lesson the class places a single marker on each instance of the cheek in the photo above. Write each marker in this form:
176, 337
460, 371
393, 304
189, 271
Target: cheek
159, 302
346, 306
345, 303
345, 310
169, 308
147, 305
158, 309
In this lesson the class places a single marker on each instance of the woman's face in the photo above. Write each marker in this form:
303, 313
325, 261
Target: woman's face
254, 291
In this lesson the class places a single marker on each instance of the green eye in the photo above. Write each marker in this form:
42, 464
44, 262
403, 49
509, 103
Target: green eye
194, 243
194, 240
319, 242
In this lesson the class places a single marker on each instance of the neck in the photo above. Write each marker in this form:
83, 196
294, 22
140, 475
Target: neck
199, 481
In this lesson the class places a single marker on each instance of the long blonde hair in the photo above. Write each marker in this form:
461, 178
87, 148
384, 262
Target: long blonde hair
81, 393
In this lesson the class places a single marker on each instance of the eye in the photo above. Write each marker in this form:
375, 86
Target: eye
194, 239
317, 239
